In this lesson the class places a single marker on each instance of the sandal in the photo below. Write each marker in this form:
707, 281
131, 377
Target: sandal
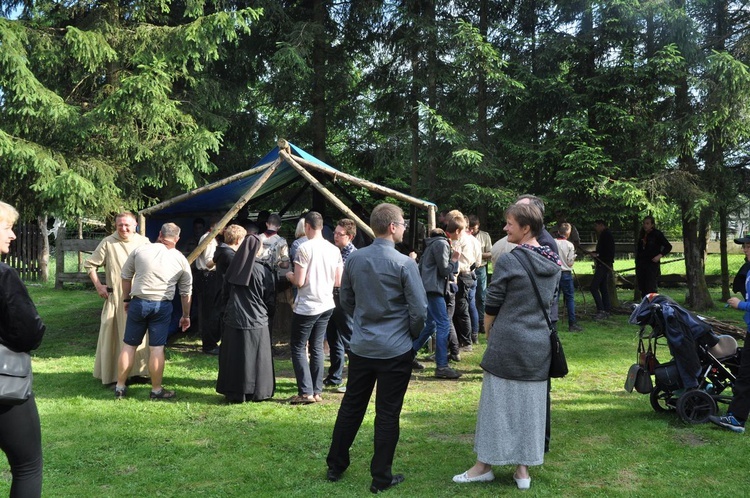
162, 394
302, 400
318, 398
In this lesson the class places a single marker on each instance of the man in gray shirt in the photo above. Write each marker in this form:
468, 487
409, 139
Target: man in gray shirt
149, 278
383, 290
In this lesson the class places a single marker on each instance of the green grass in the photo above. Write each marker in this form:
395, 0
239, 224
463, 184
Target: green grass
673, 265
605, 442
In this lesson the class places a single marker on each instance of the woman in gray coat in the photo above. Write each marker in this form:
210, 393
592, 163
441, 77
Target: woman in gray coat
512, 406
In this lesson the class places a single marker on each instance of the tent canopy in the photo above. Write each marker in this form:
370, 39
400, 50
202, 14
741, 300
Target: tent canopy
226, 197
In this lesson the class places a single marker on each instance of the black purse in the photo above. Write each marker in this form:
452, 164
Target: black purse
558, 366
15, 376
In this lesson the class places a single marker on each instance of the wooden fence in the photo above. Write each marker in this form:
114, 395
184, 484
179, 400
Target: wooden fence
25, 252
63, 245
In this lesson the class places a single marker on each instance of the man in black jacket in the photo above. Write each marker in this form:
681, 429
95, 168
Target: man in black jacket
605, 259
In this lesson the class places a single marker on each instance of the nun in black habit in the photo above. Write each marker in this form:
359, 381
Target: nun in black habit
245, 358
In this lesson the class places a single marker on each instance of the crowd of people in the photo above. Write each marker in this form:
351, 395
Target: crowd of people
374, 306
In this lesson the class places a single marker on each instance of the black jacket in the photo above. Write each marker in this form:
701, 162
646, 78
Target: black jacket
605, 247
21, 328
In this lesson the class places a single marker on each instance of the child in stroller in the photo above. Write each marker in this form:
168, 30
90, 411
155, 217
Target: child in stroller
702, 367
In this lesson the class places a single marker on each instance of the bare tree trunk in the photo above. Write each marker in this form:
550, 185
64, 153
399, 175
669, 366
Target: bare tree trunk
725, 291
431, 74
318, 119
44, 253
698, 297
414, 118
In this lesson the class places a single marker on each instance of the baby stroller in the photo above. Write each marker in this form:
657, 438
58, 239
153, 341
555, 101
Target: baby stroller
702, 364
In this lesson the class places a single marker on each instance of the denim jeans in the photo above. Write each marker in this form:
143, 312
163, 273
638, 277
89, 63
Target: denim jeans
339, 333
567, 289
481, 274
471, 296
312, 329
436, 323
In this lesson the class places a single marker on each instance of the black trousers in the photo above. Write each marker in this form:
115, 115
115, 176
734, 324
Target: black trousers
461, 317
209, 323
600, 288
392, 378
647, 277
21, 441
740, 405
450, 306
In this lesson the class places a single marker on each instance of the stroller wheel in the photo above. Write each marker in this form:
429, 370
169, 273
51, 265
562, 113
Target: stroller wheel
694, 407
661, 400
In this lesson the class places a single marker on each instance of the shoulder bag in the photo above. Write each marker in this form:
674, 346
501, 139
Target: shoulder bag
15, 376
558, 366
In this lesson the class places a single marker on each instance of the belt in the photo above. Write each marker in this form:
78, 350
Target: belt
566, 271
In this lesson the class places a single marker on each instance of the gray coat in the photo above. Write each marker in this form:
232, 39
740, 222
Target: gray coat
519, 347
435, 265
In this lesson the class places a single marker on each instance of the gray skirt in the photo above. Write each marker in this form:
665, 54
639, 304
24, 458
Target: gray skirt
510, 422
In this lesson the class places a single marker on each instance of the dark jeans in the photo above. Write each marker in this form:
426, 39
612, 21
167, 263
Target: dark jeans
151, 316
21, 441
339, 333
310, 329
600, 288
740, 405
437, 323
567, 289
392, 378
481, 274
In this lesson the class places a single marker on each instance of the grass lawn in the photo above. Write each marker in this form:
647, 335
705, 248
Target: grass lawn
605, 442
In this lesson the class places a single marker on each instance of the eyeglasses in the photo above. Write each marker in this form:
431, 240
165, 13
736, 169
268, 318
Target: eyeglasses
402, 223
340, 234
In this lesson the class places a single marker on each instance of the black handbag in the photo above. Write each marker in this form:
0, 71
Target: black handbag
15, 376
639, 379
558, 366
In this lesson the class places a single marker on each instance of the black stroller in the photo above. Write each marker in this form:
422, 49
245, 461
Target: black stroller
702, 365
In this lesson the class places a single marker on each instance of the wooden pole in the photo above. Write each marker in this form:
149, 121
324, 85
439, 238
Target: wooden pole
364, 183
235, 209
431, 218
205, 188
142, 223
326, 193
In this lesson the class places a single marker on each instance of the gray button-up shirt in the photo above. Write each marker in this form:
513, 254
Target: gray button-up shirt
383, 291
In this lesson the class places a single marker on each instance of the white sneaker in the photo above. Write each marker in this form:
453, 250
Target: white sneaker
464, 478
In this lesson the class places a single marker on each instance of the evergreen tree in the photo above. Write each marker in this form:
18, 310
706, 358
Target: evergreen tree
106, 104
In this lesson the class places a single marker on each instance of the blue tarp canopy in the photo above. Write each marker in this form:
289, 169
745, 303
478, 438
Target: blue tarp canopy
221, 199
218, 198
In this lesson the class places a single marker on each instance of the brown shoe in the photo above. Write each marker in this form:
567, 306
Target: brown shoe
302, 400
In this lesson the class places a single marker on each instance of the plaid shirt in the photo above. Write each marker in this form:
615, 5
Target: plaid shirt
347, 250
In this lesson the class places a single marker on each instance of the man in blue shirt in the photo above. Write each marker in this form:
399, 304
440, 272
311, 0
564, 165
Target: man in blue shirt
383, 291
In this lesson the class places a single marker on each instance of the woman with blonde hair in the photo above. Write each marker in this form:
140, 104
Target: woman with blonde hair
21, 330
